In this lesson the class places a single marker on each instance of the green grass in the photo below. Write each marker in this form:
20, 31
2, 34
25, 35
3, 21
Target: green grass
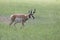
45, 26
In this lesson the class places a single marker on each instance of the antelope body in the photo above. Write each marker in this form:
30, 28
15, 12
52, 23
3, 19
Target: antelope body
21, 18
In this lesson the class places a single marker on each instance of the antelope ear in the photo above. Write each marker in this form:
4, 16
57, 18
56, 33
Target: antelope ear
30, 11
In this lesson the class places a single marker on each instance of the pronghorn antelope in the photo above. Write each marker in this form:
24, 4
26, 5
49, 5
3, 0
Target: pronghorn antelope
22, 18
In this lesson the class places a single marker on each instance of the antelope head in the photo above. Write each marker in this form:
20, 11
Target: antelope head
31, 13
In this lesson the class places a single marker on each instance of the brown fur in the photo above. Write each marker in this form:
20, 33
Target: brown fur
24, 18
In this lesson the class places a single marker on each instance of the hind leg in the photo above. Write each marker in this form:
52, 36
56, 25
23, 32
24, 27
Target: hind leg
15, 23
11, 22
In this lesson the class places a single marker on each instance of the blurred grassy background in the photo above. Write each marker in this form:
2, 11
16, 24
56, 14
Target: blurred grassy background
46, 25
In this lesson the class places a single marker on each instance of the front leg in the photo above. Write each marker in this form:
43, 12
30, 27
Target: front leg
22, 24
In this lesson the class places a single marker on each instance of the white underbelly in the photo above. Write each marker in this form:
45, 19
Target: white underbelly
18, 20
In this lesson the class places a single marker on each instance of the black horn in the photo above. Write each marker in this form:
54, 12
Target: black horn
34, 10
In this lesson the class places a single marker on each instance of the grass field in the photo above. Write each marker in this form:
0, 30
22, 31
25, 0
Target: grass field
45, 26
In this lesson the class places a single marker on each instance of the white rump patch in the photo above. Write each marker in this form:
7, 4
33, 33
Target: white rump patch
11, 16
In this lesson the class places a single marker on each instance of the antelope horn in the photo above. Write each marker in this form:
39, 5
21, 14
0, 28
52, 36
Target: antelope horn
34, 11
